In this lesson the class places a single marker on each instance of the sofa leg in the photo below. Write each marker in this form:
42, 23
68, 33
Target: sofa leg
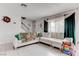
14, 47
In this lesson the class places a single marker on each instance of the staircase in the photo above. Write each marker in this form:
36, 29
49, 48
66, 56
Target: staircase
25, 26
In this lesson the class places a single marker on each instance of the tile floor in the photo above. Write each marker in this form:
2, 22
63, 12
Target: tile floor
30, 50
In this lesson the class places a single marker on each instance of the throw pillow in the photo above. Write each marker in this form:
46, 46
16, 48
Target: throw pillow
18, 36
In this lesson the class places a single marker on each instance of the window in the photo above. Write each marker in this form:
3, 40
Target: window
56, 25
51, 26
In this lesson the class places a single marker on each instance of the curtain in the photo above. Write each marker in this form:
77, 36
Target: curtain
70, 27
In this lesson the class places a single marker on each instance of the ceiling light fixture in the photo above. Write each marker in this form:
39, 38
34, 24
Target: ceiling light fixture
23, 5
23, 18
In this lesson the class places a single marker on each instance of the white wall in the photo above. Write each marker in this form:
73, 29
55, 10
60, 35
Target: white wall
77, 25
33, 26
8, 30
37, 25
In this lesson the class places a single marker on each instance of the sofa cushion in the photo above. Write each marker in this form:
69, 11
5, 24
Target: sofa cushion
46, 40
57, 35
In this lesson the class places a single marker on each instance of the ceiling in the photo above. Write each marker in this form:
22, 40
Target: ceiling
34, 11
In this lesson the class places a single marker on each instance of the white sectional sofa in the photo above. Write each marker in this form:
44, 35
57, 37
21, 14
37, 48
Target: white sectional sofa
50, 41
17, 43
46, 40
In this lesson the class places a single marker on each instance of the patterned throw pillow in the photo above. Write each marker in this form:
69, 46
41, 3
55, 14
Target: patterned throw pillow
34, 35
28, 37
18, 36
23, 39
39, 34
